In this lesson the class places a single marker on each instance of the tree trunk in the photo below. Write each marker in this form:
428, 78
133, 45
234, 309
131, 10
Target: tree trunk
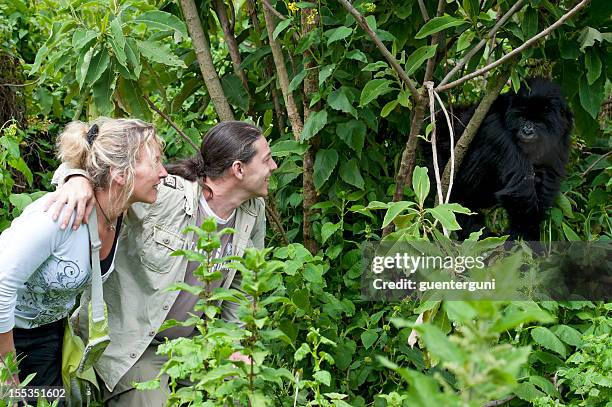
309, 22
202, 50
283, 78
232, 44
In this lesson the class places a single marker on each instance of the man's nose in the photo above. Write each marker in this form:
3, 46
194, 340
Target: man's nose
274, 166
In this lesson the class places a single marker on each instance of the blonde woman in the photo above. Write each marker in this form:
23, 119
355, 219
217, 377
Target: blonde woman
43, 268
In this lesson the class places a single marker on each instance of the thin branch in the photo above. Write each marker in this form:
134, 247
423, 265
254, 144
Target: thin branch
595, 163
170, 122
385, 52
451, 133
435, 40
499, 402
276, 223
273, 10
516, 51
423, 11
482, 42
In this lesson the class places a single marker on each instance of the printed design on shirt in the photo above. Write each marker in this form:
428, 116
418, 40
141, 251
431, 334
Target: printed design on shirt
51, 291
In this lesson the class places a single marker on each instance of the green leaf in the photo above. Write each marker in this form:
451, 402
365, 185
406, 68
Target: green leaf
545, 338
324, 165
374, 66
593, 65
20, 201
297, 80
314, 124
323, 376
394, 210
160, 53
530, 22
97, 66
445, 216
569, 335
438, 24
288, 147
103, 93
327, 230
418, 57
439, 345
357, 55
337, 34
281, 26
353, 134
349, 172
339, 100
515, 317
368, 337
528, 392
235, 92
569, 233
83, 66
302, 352
118, 41
325, 72
588, 36
388, 108
129, 97
81, 38
162, 21
420, 183
374, 89
465, 39
133, 56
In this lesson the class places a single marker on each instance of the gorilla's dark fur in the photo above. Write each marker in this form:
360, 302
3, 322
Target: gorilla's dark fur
517, 158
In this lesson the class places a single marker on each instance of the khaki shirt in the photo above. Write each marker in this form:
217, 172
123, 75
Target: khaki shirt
134, 293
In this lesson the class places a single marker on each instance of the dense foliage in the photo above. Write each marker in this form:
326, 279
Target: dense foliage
343, 124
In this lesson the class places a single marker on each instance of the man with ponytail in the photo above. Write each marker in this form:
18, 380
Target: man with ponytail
227, 180
43, 268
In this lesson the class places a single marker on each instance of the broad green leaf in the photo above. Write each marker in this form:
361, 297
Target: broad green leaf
418, 57
160, 53
593, 66
302, 352
118, 41
460, 311
325, 72
129, 97
565, 205
515, 317
20, 165
297, 80
133, 57
394, 210
368, 337
471, 7
97, 66
388, 108
438, 24
324, 165
530, 22
588, 36
322, 376
569, 233
439, 345
545, 338
281, 26
103, 92
374, 89
234, 91
327, 230
349, 172
353, 134
162, 21
20, 201
339, 100
465, 39
375, 66
445, 216
314, 124
81, 38
420, 183
287, 147
337, 34
528, 392
357, 55
83, 66
569, 335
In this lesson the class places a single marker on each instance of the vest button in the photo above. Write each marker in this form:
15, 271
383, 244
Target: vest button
165, 307
133, 355
167, 241
152, 333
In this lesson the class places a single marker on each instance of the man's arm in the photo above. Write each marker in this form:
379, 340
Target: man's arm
75, 190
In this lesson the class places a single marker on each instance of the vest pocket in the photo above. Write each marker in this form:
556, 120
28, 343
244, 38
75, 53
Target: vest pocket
157, 248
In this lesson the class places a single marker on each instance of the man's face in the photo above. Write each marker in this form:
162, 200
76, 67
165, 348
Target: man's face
257, 172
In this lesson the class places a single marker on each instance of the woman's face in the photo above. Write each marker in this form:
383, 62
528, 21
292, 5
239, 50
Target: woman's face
148, 175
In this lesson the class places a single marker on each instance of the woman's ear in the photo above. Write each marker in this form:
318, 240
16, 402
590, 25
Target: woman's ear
117, 177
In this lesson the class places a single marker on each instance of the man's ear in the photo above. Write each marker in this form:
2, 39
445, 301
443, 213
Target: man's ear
238, 169
117, 177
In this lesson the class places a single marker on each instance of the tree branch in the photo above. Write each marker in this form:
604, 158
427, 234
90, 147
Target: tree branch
272, 213
283, 78
423, 11
170, 122
202, 50
472, 127
385, 52
516, 51
274, 11
482, 42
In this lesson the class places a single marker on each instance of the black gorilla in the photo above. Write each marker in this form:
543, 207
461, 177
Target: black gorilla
517, 158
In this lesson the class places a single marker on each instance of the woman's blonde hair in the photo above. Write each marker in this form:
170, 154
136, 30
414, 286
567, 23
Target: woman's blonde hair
113, 149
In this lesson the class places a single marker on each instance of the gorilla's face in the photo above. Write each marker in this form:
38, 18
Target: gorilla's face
539, 119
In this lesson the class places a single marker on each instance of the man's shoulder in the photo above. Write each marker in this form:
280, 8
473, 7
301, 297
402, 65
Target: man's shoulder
254, 206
